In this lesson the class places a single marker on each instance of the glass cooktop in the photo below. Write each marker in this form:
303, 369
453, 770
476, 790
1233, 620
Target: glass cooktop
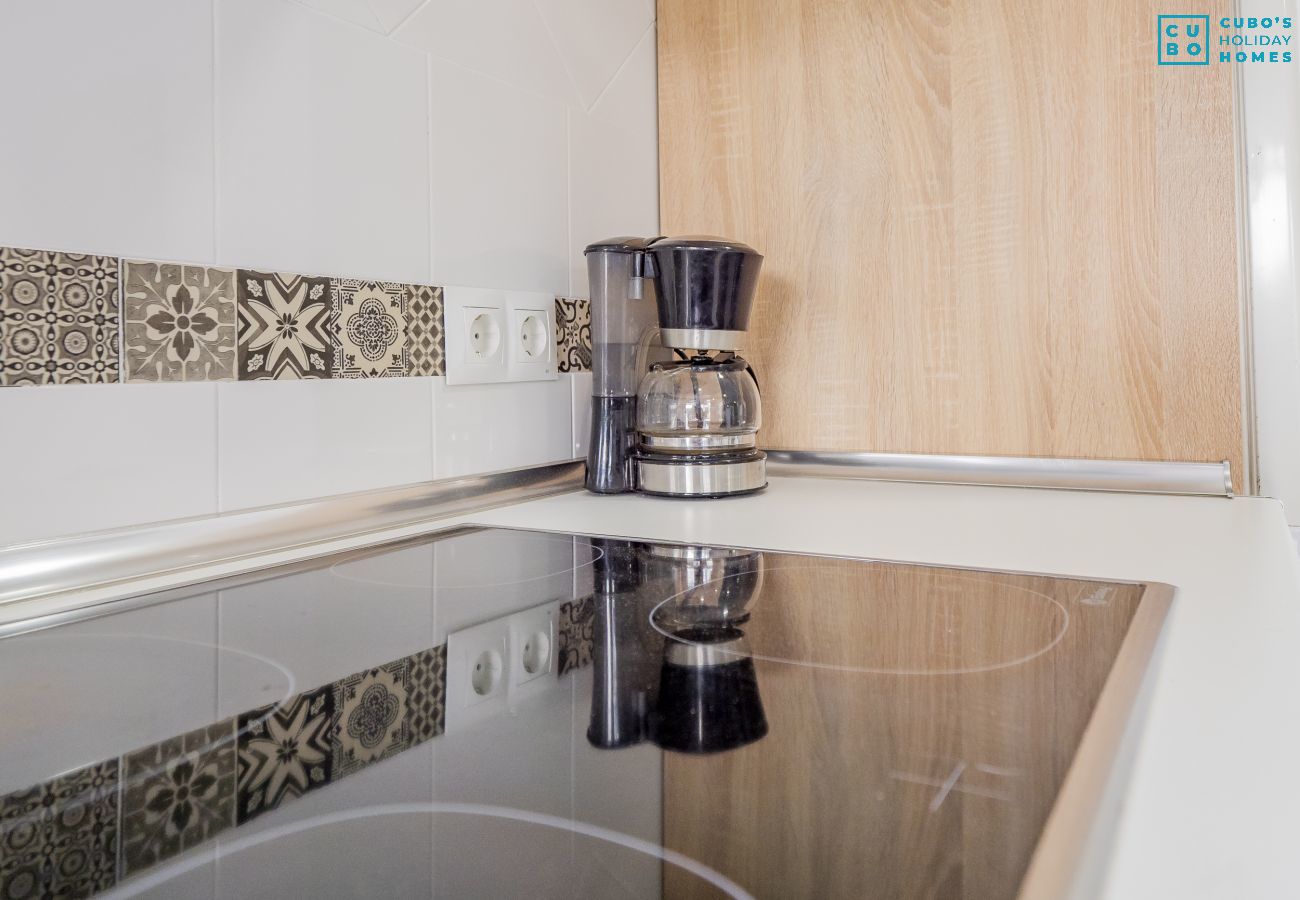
496, 713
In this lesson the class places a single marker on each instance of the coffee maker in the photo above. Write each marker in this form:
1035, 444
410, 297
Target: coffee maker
675, 411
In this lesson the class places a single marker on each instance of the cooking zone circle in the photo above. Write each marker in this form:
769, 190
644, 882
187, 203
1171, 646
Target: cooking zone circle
921, 621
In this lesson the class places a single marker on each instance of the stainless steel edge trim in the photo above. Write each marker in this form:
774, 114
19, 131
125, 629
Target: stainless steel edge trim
40, 569
701, 338
1136, 476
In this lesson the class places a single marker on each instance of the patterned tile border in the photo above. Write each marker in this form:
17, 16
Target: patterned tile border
83, 832
573, 334
59, 317
71, 318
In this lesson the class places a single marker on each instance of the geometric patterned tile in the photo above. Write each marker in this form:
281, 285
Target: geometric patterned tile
284, 752
371, 721
284, 326
177, 794
428, 697
58, 318
575, 634
426, 345
573, 334
179, 322
371, 329
59, 839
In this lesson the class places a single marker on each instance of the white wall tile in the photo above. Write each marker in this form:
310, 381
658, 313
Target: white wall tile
499, 205
631, 100
486, 427
581, 413
322, 145
85, 457
392, 13
358, 12
108, 127
613, 186
292, 440
505, 40
595, 37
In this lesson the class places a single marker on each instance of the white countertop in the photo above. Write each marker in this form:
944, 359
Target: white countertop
1210, 810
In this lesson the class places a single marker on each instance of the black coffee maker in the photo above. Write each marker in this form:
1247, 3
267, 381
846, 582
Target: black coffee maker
675, 411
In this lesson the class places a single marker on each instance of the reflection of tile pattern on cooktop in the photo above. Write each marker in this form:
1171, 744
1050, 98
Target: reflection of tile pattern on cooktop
373, 716
177, 794
428, 699
60, 838
576, 634
284, 752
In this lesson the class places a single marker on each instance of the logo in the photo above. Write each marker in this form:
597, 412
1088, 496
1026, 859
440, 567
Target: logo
1183, 40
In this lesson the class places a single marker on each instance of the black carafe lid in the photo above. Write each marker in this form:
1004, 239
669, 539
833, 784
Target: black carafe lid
704, 283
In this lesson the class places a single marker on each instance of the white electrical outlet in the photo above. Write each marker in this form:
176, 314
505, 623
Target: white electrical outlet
531, 354
478, 673
483, 335
496, 336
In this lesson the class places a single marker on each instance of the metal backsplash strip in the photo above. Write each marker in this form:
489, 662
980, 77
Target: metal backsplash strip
41, 569
123, 320
1134, 476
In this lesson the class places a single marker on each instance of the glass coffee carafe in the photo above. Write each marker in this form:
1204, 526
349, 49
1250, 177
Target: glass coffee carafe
702, 404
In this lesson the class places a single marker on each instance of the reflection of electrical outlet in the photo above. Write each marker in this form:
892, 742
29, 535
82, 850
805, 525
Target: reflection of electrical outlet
478, 672
532, 644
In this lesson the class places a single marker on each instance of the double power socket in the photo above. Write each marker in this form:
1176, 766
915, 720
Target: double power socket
494, 665
495, 336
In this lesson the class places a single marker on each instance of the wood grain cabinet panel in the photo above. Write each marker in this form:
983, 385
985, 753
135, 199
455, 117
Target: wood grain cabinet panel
990, 226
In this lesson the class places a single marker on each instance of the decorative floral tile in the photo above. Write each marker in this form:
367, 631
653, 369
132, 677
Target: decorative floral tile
426, 347
284, 326
573, 334
576, 634
58, 318
59, 839
284, 752
428, 697
177, 794
371, 328
179, 322
372, 720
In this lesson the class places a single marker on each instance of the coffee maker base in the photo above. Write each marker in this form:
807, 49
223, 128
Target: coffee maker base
675, 477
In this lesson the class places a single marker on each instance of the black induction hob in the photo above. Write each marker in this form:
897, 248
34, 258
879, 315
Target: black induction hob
499, 713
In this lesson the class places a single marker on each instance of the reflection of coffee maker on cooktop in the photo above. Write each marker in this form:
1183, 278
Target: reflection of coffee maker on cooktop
675, 412
678, 671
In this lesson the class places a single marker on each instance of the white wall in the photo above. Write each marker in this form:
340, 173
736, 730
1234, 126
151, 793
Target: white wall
1271, 151
479, 142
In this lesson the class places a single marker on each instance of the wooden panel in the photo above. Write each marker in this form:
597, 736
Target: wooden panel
990, 226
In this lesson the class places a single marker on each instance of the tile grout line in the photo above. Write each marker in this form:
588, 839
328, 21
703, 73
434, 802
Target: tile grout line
621, 66
216, 145
555, 45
